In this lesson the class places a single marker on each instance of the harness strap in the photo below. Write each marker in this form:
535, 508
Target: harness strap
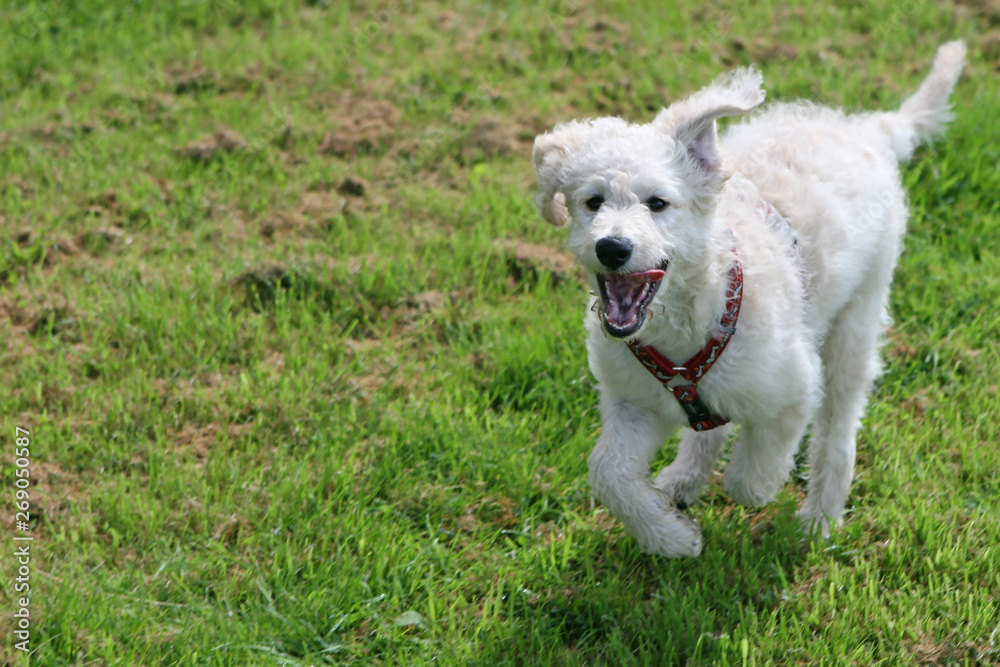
695, 368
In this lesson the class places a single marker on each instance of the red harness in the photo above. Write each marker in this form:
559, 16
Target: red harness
694, 369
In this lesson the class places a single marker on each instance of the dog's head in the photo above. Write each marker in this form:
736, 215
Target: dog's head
640, 197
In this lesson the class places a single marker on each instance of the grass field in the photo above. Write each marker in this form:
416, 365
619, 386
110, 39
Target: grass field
303, 370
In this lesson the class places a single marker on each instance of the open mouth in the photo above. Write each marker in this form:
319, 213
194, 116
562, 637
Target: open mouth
625, 297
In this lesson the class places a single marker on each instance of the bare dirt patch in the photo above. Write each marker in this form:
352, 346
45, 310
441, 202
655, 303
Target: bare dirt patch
196, 439
528, 262
596, 34
321, 205
354, 186
97, 240
422, 311
193, 79
359, 126
219, 142
929, 651
428, 301
282, 223
987, 10
493, 137
917, 405
764, 50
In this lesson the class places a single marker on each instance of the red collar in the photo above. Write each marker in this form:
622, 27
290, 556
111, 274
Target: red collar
695, 368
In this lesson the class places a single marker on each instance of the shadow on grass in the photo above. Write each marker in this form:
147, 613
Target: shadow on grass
641, 609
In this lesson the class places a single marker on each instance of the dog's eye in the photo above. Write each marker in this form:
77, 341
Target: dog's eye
594, 203
657, 204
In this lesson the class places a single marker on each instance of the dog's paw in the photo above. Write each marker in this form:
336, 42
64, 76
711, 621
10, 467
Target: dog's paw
817, 526
681, 485
669, 534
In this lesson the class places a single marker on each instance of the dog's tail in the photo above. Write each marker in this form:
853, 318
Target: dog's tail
925, 113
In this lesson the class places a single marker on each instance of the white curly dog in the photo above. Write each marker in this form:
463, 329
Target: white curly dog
742, 280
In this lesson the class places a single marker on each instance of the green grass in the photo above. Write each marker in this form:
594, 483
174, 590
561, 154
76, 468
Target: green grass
301, 403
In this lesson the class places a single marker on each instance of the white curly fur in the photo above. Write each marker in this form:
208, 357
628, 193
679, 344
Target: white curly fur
806, 345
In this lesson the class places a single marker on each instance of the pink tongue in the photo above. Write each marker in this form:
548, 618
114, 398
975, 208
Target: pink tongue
626, 293
650, 276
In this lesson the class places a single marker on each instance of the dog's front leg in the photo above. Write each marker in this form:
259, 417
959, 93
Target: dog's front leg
684, 479
619, 477
764, 455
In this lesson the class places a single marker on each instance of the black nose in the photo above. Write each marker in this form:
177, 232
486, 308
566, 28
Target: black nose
613, 251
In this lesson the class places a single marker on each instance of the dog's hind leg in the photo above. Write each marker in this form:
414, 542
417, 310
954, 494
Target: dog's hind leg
850, 364
684, 479
619, 477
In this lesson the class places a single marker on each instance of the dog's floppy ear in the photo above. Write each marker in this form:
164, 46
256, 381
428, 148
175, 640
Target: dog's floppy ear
691, 122
551, 157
